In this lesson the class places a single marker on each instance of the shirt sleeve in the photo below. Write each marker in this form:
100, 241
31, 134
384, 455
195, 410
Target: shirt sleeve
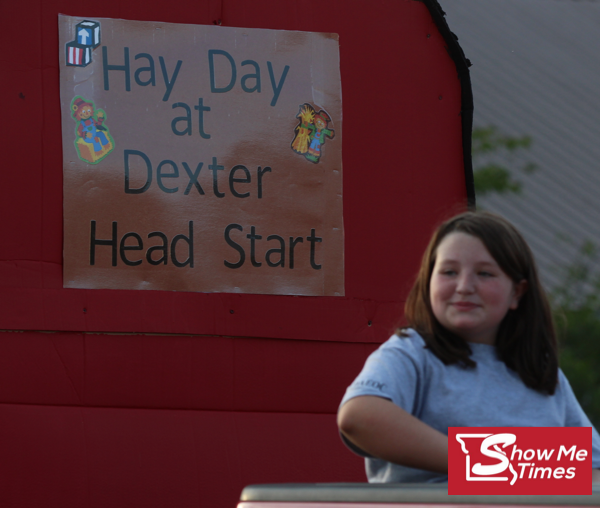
577, 418
393, 372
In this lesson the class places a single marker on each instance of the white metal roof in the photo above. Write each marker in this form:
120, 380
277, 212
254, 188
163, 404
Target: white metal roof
536, 72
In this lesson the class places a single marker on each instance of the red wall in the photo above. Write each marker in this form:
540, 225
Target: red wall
149, 398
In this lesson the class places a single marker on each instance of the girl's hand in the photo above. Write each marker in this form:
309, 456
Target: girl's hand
384, 430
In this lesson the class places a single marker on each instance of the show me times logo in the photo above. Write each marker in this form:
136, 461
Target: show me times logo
520, 460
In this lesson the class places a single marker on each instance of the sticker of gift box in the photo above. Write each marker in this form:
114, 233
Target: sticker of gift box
88, 33
78, 55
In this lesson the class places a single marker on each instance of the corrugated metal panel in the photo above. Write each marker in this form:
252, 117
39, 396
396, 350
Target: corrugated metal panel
536, 71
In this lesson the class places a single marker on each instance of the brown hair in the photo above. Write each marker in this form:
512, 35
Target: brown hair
526, 340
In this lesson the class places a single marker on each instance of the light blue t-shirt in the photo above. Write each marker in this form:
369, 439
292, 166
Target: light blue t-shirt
489, 395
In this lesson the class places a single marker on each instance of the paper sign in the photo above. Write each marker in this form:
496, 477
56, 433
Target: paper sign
201, 158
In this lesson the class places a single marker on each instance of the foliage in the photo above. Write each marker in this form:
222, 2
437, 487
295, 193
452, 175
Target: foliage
488, 144
576, 307
494, 178
576, 300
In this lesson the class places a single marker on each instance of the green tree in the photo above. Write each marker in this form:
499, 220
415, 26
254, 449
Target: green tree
576, 308
490, 145
576, 300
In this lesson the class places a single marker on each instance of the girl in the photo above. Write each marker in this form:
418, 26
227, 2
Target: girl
480, 352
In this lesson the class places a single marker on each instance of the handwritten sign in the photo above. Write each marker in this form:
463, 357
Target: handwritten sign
201, 158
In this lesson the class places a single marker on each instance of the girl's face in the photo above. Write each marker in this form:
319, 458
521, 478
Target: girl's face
469, 292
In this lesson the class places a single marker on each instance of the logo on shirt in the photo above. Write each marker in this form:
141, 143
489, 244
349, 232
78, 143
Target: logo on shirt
370, 382
520, 460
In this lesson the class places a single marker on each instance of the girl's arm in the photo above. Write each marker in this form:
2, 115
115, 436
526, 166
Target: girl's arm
386, 431
595, 475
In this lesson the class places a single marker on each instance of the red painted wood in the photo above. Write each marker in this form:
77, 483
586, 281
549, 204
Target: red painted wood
150, 398
402, 172
177, 372
97, 457
336, 319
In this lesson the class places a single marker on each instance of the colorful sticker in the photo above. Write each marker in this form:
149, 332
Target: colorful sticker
92, 139
310, 133
87, 38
